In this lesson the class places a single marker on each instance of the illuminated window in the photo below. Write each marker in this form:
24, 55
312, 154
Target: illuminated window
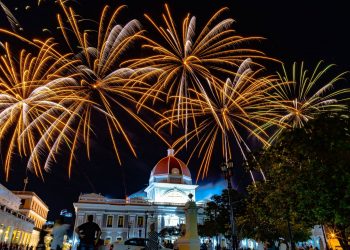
121, 221
109, 221
171, 220
140, 221
175, 171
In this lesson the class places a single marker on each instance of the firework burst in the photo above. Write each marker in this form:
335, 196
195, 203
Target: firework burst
104, 85
33, 91
229, 114
185, 59
301, 95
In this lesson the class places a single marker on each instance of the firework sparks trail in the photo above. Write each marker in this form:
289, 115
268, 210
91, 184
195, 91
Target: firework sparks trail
33, 91
104, 85
185, 59
226, 115
303, 94
50, 99
11, 18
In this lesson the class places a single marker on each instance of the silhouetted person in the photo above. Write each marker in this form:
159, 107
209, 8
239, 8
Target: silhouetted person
87, 233
152, 243
41, 243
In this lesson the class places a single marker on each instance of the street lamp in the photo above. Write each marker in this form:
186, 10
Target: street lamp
226, 168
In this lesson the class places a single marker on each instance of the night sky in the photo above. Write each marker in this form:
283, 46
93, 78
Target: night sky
294, 30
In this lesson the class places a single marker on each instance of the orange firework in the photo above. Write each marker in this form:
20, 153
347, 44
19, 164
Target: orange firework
302, 95
184, 60
104, 85
33, 92
229, 114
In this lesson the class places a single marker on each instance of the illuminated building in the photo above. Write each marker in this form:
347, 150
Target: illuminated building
15, 227
161, 202
33, 207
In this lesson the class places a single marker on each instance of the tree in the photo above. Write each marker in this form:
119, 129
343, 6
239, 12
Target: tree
269, 214
217, 214
308, 178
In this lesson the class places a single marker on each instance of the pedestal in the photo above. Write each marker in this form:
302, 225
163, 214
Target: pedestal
190, 241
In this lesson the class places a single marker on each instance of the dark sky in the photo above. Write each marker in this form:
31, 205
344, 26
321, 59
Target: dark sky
294, 30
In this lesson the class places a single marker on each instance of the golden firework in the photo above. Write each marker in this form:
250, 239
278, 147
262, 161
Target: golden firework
302, 95
228, 115
185, 59
104, 86
33, 92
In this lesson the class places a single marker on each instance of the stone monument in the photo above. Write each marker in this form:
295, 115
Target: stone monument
190, 240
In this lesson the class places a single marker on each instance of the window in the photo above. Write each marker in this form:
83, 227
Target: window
121, 221
109, 220
140, 221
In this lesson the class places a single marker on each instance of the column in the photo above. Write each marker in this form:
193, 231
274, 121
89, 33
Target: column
79, 219
98, 219
14, 235
8, 234
131, 225
2, 233
20, 237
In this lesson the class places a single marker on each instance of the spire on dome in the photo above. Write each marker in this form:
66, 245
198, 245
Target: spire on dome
170, 152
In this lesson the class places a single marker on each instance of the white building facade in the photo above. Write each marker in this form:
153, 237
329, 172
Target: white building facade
162, 202
15, 227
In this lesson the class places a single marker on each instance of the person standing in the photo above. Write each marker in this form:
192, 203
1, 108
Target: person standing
41, 244
89, 233
283, 245
152, 243
59, 230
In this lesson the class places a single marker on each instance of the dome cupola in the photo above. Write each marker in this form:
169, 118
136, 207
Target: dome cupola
171, 170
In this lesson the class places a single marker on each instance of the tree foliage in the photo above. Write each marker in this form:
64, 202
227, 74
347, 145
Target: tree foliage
217, 214
308, 180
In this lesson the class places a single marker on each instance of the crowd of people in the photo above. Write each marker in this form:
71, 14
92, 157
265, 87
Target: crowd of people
57, 232
89, 237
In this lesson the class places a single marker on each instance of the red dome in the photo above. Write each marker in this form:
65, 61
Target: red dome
171, 165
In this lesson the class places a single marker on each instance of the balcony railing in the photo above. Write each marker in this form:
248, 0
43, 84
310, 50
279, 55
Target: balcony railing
131, 201
15, 213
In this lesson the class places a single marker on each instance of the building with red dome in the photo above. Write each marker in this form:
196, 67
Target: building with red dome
162, 202
171, 181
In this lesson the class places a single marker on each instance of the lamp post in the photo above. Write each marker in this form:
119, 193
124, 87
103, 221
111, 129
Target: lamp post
226, 168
